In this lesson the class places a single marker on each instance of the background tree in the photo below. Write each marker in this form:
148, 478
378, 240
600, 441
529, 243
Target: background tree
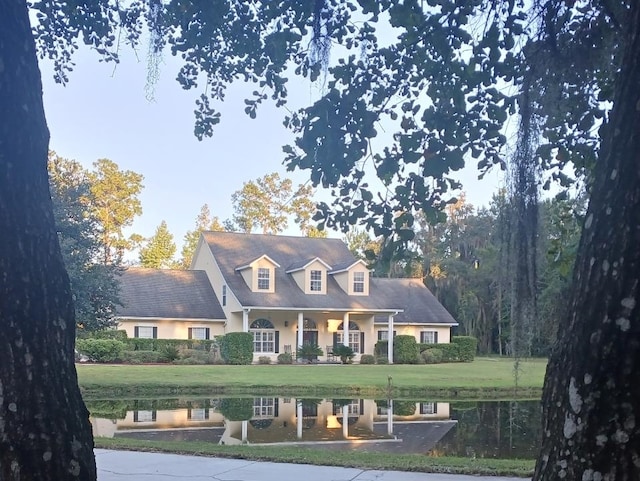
204, 222
116, 204
268, 202
94, 285
159, 250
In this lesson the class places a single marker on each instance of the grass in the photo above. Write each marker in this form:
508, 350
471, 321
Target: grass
346, 458
485, 378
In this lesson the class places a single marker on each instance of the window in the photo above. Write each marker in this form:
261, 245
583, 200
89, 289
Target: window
224, 295
428, 408
316, 281
354, 340
144, 416
201, 333
199, 414
383, 335
145, 332
264, 407
263, 335
428, 337
263, 278
358, 282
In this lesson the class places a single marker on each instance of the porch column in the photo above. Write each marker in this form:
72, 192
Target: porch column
299, 419
245, 320
300, 329
390, 339
244, 431
345, 421
345, 329
390, 417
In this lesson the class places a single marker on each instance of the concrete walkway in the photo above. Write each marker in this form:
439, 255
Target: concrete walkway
131, 465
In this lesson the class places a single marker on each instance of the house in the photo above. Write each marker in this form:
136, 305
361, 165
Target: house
287, 291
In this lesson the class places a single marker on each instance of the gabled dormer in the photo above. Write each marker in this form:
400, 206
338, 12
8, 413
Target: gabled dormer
310, 275
260, 274
353, 278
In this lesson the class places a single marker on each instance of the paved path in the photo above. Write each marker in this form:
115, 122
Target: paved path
131, 465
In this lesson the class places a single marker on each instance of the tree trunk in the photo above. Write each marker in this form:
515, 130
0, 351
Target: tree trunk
591, 400
44, 427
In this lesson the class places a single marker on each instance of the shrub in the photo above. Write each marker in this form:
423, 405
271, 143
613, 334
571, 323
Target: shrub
310, 352
381, 348
195, 356
404, 408
264, 360
140, 344
367, 359
236, 409
285, 358
117, 334
405, 350
467, 346
142, 357
169, 353
237, 348
345, 353
432, 356
382, 360
101, 350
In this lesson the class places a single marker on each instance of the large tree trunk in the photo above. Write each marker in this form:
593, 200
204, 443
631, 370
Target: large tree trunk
44, 427
591, 400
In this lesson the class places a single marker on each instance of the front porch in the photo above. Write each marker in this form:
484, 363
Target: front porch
276, 332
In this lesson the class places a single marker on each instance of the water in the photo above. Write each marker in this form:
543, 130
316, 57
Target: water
498, 429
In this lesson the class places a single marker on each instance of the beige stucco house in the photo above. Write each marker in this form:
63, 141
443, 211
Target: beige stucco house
286, 291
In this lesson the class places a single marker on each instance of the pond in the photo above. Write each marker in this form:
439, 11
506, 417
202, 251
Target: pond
498, 429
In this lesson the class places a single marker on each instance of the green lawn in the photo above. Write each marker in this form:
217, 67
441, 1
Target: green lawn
483, 378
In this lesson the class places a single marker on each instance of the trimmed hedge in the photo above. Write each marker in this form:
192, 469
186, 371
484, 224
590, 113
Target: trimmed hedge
405, 350
237, 348
467, 346
140, 344
236, 409
101, 350
142, 357
285, 358
117, 334
432, 356
367, 359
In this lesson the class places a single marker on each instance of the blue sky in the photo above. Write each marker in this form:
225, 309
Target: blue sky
103, 113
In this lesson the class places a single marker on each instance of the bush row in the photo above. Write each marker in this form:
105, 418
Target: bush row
407, 351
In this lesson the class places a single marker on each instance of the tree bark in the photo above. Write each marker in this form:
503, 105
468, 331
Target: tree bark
591, 400
44, 427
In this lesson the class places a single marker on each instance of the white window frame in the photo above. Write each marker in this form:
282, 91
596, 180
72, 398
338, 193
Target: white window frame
358, 282
354, 340
264, 275
145, 332
383, 335
315, 278
199, 333
264, 340
427, 337
264, 407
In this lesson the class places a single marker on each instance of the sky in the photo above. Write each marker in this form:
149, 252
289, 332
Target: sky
103, 112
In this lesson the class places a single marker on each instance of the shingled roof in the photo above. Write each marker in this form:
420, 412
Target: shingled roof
233, 249
167, 293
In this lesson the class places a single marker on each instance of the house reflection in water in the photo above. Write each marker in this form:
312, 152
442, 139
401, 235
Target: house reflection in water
398, 426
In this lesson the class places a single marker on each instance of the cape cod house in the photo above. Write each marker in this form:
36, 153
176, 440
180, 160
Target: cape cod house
287, 291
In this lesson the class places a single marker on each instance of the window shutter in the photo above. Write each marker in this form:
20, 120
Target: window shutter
206, 333
362, 351
394, 333
154, 413
136, 332
155, 332
277, 344
435, 337
275, 407
190, 335
335, 339
435, 408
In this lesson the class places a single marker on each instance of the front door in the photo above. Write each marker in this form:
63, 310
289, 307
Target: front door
310, 337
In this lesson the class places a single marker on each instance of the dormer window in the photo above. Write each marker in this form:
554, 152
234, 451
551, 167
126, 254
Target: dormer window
358, 282
316, 281
263, 278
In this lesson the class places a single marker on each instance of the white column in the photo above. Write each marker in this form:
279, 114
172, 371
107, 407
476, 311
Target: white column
345, 421
245, 320
300, 328
245, 425
390, 417
299, 420
345, 329
390, 340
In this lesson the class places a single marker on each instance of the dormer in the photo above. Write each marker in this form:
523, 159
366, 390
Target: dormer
353, 278
310, 275
260, 274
